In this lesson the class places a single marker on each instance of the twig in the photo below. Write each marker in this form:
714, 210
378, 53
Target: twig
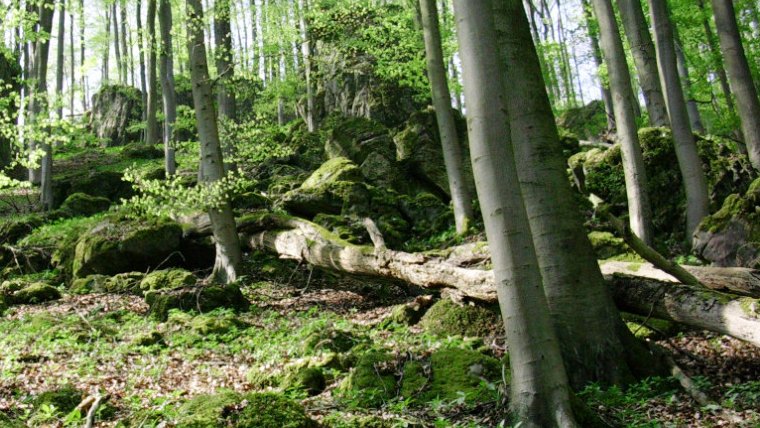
94, 408
374, 234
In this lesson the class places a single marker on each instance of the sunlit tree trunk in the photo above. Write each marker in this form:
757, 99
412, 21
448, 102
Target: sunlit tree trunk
151, 123
59, 64
228, 253
107, 48
81, 55
639, 209
125, 52
40, 102
167, 85
695, 118
739, 76
225, 71
642, 48
540, 392
116, 44
141, 54
720, 71
596, 52
73, 59
311, 124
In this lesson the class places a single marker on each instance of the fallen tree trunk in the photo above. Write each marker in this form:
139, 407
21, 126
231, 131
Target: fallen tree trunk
301, 240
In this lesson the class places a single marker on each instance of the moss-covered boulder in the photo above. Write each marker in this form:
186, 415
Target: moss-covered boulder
202, 298
607, 245
731, 236
19, 292
448, 318
121, 246
330, 340
455, 372
148, 339
115, 108
333, 187
167, 279
214, 323
88, 284
372, 381
141, 151
83, 205
308, 379
230, 409
14, 228
588, 122
107, 184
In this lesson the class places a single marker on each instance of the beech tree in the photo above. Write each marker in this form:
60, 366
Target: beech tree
167, 85
452, 151
639, 209
226, 240
38, 97
151, 120
740, 77
540, 392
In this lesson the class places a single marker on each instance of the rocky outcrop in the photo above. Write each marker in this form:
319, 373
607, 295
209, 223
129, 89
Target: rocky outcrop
115, 108
731, 236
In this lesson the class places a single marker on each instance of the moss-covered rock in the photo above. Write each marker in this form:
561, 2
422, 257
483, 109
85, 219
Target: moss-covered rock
372, 381
606, 245
141, 151
331, 340
114, 109
167, 279
230, 409
588, 122
83, 205
447, 318
127, 282
121, 246
731, 236
205, 324
107, 184
19, 292
65, 399
457, 371
202, 297
308, 379
335, 169
88, 284
14, 228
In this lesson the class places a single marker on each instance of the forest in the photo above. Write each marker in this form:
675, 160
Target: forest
379, 213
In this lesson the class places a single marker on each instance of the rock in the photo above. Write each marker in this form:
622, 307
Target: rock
88, 284
202, 298
330, 189
14, 228
606, 245
121, 246
83, 205
167, 279
457, 371
409, 313
335, 169
115, 108
330, 339
19, 292
308, 379
372, 381
230, 409
106, 184
204, 324
141, 151
356, 138
731, 236
447, 318
588, 122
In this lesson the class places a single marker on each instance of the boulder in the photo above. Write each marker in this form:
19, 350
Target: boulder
357, 138
230, 409
106, 184
141, 151
14, 228
18, 292
115, 109
731, 236
167, 279
372, 381
202, 298
115, 246
83, 205
448, 318
588, 122
606, 245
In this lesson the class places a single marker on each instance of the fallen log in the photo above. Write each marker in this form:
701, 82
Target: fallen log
301, 240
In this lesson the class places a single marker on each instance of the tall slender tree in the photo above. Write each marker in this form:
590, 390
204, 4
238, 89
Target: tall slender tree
225, 70
596, 52
644, 57
311, 123
59, 64
107, 48
81, 55
639, 209
739, 76
167, 85
540, 391
452, 150
141, 55
40, 99
125, 52
228, 254
72, 58
694, 181
717, 61
151, 122
116, 44
683, 71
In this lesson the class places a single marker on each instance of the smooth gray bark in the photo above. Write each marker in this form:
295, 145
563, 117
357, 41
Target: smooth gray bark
596, 52
72, 57
40, 102
116, 44
81, 55
228, 254
167, 85
689, 163
151, 122
639, 209
540, 391
59, 59
720, 71
141, 54
695, 118
311, 124
125, 52
740, 77
571, 275
107, 49
225, 71
452, 150
644, 57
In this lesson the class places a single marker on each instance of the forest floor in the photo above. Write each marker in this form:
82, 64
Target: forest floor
97, 344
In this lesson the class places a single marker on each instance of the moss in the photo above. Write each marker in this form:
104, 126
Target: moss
203, 298
414, 379
750, 307
88, 284
205, 411
141, 151
447, 318
606, 245
336, 169
14, 228
128, 282
148, 339
65, 399
330, 339
167, 279
340, 420
230, 409
83, 205
461, 371
372, 381
206, 324
19, 292
308, 379
7, 422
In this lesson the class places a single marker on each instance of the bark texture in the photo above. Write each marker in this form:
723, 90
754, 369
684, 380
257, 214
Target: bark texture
167, 85
151, 123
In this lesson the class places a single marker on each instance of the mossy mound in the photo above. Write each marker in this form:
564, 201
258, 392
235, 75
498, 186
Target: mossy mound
331, 340
106, 184
308, 379
230, 409
335, 169
18, 292
202, 298
447, 318
606, 245
113, 246
65, 399
372, 381
587, 122
456, 372
731, 236
167, 279
148, 339
83, 205
14, 228
141, 151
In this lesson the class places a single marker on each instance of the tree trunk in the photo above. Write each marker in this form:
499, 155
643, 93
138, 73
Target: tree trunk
225, 71
311, 124
570, 273
72, 57
597, 54
116, 44
740, 77
125, 52
642, 48
452, 150
59, 64
639, 209
167, 85
228, 254
540, 391
694, 181
141, 54
81, 55
151, 123
107, 50
683, 72
40, 101
717, 61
